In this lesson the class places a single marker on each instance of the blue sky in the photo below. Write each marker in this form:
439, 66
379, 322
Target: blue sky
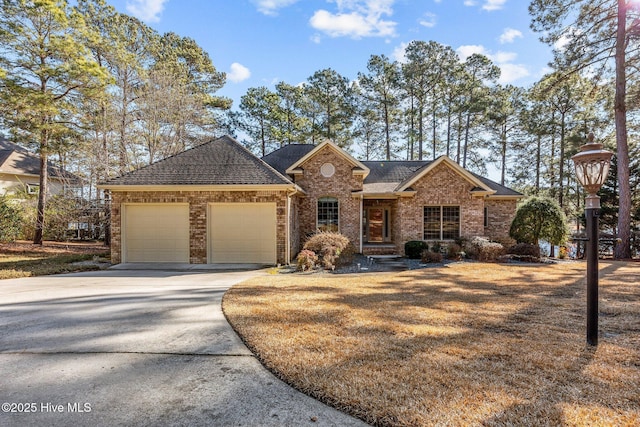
262, 42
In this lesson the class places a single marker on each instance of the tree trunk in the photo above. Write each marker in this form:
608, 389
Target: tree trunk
552, 159
622, 249
503, 154
420, 133
433, 123
561, 165
449, 132
466, 141
386, 131
538, 158
42, 194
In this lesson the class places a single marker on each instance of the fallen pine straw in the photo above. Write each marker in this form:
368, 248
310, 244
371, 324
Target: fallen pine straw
467, 344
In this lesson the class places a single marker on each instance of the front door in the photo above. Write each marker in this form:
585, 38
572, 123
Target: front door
376, 224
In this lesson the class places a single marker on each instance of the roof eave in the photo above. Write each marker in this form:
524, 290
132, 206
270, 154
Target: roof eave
362, 169
483, 193
453, 165
506, 197
200, 187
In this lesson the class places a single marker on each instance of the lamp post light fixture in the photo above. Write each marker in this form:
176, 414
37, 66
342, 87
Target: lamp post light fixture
592, 167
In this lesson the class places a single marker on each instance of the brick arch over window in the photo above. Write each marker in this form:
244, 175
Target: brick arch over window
328, 214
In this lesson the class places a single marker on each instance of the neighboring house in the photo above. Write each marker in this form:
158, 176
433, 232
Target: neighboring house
20, 172
218, 203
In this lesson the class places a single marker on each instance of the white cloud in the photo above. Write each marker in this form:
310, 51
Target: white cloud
565, 39
509, 35
466, 51
493, 4
356, 19
512, 72
489, 5
146, 10
509, 72
398, 53
428, 20
238, 73
502, 57
270, 7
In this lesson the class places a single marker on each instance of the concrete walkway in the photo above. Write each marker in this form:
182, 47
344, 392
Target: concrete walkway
137, 347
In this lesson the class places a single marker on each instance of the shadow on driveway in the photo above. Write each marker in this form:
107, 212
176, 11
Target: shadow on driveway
138, 347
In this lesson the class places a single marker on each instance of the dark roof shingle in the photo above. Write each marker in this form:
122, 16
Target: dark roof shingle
222, 161
391, 170
286, 156
15, 159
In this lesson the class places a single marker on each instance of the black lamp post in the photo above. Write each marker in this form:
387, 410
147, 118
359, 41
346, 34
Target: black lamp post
592, 167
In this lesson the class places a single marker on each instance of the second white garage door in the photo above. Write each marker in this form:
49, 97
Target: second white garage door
242, 233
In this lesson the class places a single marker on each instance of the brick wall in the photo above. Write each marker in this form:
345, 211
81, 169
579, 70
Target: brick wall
295, 227
340, 186
198, 201
500, 214
440, 186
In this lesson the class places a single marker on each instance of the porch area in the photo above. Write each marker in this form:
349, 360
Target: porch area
378, 229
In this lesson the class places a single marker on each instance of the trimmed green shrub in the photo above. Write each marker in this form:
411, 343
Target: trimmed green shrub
329, 246
429, 257
10, 220
306, 260
538, 219
413, 248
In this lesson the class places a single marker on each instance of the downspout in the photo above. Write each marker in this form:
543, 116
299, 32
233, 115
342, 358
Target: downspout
287, 250
361, 212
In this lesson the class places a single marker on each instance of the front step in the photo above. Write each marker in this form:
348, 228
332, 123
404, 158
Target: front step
379, 249
392, 262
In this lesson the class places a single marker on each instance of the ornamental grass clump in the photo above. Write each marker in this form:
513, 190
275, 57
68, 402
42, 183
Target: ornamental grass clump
332, 249
306, 260
431, 257
482, 249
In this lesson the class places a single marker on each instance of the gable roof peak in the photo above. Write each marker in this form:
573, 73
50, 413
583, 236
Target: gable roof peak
358, 165
450, 163
221, 161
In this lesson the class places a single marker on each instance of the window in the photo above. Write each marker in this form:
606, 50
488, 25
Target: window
486, 217
328, 214
327, 170
441, 222
33, 188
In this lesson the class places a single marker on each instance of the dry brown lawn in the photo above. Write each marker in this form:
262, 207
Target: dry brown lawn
467, 344
24, 259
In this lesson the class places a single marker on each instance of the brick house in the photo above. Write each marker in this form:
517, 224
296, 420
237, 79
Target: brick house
218, 203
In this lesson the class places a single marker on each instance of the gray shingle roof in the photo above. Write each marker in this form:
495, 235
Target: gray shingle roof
15, 159
501, 190
222, 161
286, 156
391, 170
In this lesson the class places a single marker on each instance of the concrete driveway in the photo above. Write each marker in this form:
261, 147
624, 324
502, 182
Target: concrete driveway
136, 348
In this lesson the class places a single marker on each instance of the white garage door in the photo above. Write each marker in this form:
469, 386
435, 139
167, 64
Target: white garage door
242, 233
156, 233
